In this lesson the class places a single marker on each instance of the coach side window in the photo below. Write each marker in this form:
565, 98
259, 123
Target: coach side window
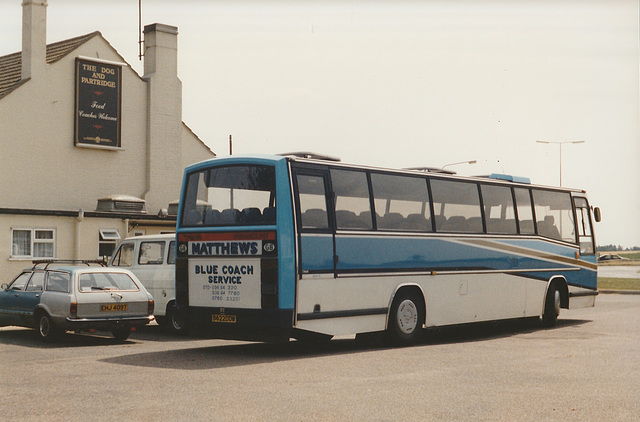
554, 215
313, 202
525, 212
456, 206
353, 207
401, 202
498, 209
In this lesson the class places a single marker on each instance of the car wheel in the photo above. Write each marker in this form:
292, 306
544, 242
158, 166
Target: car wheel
406, 319
177, 321
551, 307
121, 333
47, 330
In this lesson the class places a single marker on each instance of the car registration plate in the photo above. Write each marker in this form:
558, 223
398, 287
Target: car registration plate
113, 307
223, 318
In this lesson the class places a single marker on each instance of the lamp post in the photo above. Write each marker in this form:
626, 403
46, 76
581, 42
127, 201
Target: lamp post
461, 162
560, 143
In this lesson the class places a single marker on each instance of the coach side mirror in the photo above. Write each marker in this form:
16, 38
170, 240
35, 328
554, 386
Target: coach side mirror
597, 215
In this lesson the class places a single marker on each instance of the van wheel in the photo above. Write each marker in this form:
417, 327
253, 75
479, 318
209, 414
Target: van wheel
177, 320
551, 307
406, 319
46, 328
121, 333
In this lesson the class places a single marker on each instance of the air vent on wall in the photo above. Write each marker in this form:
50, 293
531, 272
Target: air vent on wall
121, 203
173, 207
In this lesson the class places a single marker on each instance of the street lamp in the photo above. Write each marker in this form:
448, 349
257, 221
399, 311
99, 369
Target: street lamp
560, 143
461, 162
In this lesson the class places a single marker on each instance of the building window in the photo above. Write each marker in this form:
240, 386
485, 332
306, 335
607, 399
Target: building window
107, 242
33, 243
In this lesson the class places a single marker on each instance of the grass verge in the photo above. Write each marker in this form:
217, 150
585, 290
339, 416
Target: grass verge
614, 283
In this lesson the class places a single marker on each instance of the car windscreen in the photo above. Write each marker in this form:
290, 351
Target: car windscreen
101, 281
237, 195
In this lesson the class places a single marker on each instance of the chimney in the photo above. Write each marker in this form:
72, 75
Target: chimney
164, 109
34, 38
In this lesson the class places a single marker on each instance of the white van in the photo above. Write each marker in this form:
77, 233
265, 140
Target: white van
153, 260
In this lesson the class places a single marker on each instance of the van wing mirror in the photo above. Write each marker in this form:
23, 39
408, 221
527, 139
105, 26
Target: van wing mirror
597, 214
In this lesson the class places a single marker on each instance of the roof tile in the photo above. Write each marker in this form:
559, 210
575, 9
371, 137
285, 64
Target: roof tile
11, 64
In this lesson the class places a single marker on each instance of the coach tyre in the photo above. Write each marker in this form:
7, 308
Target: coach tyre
406, 318
176, 318
551, 306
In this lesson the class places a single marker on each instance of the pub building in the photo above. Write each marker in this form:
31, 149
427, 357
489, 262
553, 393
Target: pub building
91, 152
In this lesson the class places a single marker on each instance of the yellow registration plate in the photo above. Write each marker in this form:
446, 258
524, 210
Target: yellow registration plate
223, 318
113, 307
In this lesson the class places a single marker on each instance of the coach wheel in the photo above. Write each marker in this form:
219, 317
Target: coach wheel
551, 307
405, 319
176, 320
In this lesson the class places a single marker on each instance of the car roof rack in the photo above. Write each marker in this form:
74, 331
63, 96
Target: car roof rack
47, 262
311, 155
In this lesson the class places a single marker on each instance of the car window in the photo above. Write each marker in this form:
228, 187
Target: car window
36, 282
151, 253
57, 282
95, 282
20, 282
171, 258
124, 255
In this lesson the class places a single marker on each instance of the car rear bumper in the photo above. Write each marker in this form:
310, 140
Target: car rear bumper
79, 323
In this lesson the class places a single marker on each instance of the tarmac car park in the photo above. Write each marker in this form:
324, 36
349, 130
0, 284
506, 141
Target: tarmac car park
58, 296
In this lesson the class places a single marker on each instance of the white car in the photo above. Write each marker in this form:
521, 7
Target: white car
152, 259
54, 297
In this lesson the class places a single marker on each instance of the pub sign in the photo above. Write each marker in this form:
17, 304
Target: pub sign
98, 103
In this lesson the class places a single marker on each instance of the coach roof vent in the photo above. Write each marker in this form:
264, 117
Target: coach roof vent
510, 178
431, 170
121, 203
311, 155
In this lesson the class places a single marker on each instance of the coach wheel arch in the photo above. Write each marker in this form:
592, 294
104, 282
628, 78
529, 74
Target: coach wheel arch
406, 315
563, 288
556, 297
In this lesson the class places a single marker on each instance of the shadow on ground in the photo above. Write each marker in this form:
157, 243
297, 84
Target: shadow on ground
236, 355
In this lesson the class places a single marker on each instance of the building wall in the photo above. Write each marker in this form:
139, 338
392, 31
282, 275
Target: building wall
41, 166
42, 169
75, 237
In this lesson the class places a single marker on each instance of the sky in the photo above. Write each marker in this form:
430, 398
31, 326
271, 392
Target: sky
403, 83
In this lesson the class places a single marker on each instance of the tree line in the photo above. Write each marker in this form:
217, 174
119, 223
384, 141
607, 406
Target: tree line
617, 248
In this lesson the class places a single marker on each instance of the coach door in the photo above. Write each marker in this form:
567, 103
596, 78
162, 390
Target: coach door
315, 238
585, 232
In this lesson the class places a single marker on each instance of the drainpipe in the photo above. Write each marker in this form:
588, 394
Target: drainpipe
78, 246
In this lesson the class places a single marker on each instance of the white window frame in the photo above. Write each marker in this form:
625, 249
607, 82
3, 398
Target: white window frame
34, 242
108, 237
